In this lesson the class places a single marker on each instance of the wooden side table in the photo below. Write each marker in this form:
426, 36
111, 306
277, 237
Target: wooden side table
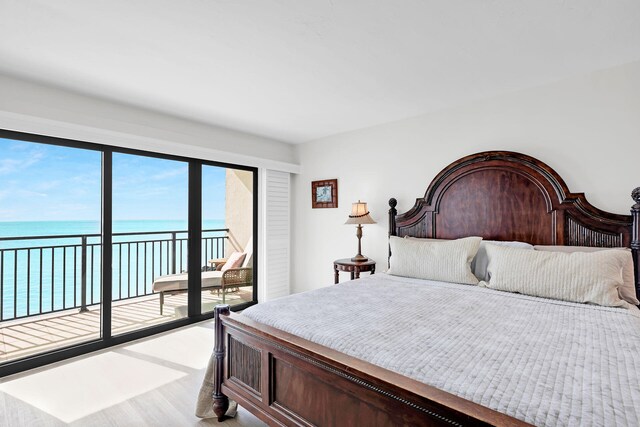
353, 267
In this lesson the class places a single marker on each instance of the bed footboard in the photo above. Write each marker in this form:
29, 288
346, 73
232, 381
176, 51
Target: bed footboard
286, 380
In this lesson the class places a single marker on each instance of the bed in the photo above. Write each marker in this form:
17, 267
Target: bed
311, 369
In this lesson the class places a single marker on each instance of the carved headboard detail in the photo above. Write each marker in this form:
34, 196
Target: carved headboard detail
502, 195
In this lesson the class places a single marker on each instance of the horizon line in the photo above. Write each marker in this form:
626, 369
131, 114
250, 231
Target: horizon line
94, 220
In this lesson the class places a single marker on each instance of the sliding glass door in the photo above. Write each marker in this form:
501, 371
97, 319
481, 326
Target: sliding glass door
50, 247
227, 239
102, 245
149, 276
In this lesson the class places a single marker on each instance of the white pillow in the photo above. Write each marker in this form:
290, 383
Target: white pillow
442, 260
628, 289
481, 261
579, 277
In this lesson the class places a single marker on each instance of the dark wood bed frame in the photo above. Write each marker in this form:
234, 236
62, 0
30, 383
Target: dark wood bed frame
286, 380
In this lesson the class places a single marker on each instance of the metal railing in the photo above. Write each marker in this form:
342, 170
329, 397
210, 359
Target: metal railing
46, 274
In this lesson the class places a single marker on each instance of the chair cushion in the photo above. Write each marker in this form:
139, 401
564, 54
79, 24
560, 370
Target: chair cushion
234, 261
176, 282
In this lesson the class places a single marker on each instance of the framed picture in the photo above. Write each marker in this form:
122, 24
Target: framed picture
324, 194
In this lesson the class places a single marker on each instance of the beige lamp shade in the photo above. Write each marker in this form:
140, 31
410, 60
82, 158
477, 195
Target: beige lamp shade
359, 214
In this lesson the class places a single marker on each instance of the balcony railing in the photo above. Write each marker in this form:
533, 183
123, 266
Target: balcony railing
46, 274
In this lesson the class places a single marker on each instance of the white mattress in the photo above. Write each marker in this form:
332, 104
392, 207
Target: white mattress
543, 361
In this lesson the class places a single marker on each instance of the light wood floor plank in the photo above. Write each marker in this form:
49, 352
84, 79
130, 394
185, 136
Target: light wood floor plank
170, 404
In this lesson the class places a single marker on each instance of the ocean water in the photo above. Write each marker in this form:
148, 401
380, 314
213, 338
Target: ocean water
40, 275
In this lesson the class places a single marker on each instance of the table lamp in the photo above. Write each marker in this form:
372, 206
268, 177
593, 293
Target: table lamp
359, 215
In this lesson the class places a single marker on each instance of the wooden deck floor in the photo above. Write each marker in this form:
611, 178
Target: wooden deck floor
25, 337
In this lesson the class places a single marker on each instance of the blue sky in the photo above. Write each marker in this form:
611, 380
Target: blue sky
40, 182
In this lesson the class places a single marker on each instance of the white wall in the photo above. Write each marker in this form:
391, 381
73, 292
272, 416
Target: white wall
36, 108
587, 128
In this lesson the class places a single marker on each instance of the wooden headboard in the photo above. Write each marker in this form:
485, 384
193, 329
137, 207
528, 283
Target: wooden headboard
502, 195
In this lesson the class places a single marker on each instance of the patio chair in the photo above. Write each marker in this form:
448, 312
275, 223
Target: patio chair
220, 279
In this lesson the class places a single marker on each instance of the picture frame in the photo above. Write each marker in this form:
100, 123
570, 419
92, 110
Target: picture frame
324, 193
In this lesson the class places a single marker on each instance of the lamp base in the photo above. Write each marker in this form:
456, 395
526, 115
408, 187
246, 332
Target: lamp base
359, 258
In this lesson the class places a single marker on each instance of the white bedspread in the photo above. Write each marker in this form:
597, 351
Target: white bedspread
542, 361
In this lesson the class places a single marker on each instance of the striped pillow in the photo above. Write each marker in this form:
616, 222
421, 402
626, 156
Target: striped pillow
582, 277
628, 289
442, 260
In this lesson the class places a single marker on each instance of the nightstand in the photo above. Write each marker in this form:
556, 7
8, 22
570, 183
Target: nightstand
353, 267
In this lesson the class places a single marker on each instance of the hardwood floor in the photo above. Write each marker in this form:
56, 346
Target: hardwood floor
150, 382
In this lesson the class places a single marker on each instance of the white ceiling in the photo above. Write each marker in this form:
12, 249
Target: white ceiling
298, 70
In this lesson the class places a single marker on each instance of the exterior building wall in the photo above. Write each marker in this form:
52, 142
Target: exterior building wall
238, 209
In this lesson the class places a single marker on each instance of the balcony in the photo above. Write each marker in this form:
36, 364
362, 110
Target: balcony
50, 286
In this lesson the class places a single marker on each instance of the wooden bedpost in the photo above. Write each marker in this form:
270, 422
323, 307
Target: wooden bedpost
220, 401
392, 216
635, 235
392, 223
